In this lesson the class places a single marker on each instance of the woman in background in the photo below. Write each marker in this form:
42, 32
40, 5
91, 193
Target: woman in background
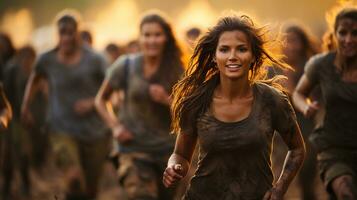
336, 74
143, 125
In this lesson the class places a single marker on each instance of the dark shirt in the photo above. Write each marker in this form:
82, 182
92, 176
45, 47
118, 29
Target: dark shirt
235, 157
69, 84
340, 99
148, 120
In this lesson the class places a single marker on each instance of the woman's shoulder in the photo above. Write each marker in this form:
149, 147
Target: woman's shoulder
46, 60
123, 63
267, 89
131, 59
321, 59
276, 101
47, 55
270, 94
319, 66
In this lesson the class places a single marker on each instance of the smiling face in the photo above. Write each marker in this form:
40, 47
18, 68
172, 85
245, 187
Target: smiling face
346, 35
68, 36
152, 39
234, 55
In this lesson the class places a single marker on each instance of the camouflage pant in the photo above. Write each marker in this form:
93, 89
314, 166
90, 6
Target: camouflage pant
15, 153
86, 157
334, 163
140, 176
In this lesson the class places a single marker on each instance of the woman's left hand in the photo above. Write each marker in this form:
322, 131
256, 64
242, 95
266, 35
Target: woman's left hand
274, 194
159, 94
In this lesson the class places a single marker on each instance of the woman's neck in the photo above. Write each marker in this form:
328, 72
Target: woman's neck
152, 61
68, 52
69, 57
151, 65
234, 88
346, 63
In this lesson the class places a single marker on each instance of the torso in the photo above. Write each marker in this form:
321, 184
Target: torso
234, 157
350, 75
340, 96
69, 83
148, 120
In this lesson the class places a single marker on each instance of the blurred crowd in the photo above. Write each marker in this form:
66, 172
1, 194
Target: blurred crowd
62, 111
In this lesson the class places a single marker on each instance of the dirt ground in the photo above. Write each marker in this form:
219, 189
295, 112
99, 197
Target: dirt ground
49, 187
48, 184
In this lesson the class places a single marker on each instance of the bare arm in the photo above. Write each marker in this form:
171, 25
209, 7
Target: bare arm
292, 164
32, 87
301, 100
6, 112
104, 107
184, 148
105, 110
179, 162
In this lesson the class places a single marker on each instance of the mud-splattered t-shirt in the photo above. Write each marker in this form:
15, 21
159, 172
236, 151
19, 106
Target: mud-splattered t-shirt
149, 121
234, 158
69, 83
340, 97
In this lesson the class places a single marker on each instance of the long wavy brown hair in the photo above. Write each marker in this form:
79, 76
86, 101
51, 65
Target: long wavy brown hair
193, 94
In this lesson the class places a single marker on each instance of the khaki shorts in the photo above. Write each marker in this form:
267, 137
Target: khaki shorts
335, 163
15, 146
140, 175
89, 157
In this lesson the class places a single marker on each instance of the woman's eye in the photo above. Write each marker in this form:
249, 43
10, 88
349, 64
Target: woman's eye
342, 32
223, 50
242, 49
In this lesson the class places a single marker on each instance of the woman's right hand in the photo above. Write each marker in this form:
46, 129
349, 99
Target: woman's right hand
121, 134
311, 109
172, 175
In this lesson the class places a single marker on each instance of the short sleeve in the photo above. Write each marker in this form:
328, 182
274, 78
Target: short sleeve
190, 124
284, 118
312, 70
40, 66
116, 73
189, 129
101, 65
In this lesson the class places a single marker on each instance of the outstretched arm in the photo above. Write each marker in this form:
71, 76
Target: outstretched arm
105, 110
292, 164
103, 105
33, 86
300, 98
5, 112
179, 162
